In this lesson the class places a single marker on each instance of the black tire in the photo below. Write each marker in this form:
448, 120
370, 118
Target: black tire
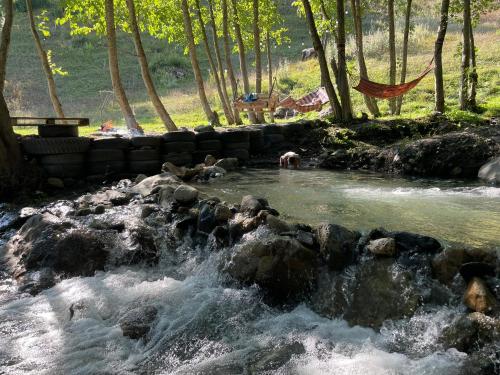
111, 143
145, 166
147, 141
54, 146
63, 159
237, 146
272, 129
106, 167
64, 170
49, 131
103, 155
178, 159
179, 136
235, 136
240, 154
144, 155
207, 136
209, 145
179, 147
274, 138
255, 133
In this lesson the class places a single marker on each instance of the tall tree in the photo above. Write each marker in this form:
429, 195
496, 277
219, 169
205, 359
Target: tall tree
227, 54
342, 81
10, 152
438, 57
242, 55
211, 61
188, 30
323, 65
404, 62
466, 48
5, 42
392, 51
44, 59
473, 77
146, 75
218, 56
114, 69
258, 57
371, 103
269, 69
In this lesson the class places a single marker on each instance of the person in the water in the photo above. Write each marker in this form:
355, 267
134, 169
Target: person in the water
290, 158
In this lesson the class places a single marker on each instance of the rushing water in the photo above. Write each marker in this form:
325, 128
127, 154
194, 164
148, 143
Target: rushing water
452, 211
208, 325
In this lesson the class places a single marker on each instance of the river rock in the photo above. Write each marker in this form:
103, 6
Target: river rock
382, 246
228, 164
146, 186
166, 196
206, 219
137, 322
468, 332
108, 197
185, 194
476, 269
222, 213
280, 265
211, 172
490, 171
210, 160
337, 245
277, 225
446, 264
406, 241
478, 297
251, 205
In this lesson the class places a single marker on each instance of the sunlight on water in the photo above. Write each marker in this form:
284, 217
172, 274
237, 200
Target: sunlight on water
462, 212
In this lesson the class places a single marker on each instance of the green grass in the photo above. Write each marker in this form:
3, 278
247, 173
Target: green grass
84, 92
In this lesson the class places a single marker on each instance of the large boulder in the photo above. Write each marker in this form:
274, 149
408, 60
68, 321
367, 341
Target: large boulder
376, 290
137, 322
148, 185
185, 194
337, 245
478, 297
490, 171
251, 205
281, 266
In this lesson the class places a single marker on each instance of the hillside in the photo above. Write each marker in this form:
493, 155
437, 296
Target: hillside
86, 90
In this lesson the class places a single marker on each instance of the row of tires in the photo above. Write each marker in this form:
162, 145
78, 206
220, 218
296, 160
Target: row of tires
79, 156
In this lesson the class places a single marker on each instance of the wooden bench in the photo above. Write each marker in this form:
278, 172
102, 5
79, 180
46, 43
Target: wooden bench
52, 126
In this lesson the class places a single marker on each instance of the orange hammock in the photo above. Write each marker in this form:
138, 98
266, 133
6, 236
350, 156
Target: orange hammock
382, 91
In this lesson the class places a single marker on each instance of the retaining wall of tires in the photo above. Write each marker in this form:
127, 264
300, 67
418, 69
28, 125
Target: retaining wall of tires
77, 157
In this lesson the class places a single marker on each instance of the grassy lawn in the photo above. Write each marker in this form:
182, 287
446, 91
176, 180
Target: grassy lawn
85, 91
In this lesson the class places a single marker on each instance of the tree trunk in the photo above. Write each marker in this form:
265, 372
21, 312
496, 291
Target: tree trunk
146, 75
56, 103
465, 67
342, 81
219, 61
242, 56
5, 42
392, 52
323, 65
188, 29
371, 103
10, 152
258, 57
404, 62
211, 62
438, 57
473, 77
229, 63
114, 70
269, 70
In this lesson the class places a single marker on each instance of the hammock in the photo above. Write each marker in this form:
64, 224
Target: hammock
310, 102
382, 91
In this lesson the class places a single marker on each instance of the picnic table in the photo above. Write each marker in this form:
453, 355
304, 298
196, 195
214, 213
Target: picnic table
52, 126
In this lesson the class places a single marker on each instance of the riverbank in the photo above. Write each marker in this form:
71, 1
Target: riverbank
194, 247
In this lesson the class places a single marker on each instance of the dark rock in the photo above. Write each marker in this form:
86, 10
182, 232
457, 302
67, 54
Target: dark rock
280, 265
277, 225
476, 269
137, 322
207, 220
446, 264
406, 241
306, 238
37, 281
251, 205
83, 212
99, 210
228, 164
210, 160
222, 213
337, 245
